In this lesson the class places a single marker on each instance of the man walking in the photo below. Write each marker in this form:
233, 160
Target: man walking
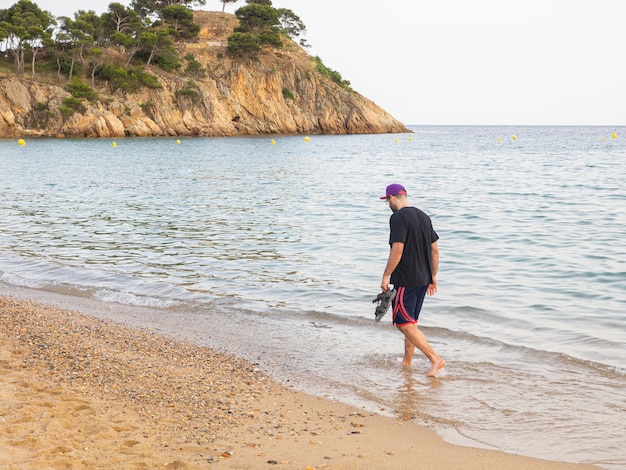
412, 269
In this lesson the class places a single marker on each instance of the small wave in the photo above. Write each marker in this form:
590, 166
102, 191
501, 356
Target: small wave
485, 347
17, 281
127, 298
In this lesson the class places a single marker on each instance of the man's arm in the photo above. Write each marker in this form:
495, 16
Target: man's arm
432, 288
395, 254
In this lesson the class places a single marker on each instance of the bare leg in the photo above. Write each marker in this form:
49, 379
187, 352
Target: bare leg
414, 336
409, 349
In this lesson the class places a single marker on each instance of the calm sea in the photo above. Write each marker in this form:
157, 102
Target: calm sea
274, 251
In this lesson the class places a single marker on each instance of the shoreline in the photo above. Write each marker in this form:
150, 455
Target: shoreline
77, 391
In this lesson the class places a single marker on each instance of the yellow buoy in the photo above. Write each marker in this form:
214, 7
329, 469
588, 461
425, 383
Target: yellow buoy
614, 135
114, 144
21, 142
306, 139
410, 139
395, 140
178, 141
514, 137
273, 142
603, 139
499, 139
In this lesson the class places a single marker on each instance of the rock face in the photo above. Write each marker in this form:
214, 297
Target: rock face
280, 93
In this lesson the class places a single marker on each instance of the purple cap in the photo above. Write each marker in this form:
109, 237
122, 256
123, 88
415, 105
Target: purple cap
394, 190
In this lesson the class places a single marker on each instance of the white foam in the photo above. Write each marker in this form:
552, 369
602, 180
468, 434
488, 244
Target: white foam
18, 281
127, 298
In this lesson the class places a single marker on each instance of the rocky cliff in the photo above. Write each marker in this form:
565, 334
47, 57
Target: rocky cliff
280, 93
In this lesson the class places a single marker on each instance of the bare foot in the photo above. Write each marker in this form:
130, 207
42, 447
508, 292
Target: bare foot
436, 367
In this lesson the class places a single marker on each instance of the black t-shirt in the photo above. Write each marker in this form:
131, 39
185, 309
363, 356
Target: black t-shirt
414, 228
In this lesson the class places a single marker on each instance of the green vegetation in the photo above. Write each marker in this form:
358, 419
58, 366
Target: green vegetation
119, 77
25, 27
148, 107
70, 106
81, 90
194, 68
117, 47
190, 90
143, 34
287, 94
331, 74
260, 24
243, 45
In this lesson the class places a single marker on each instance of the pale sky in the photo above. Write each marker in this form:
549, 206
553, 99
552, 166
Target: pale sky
532, 62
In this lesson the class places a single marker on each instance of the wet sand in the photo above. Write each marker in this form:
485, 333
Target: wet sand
79, 392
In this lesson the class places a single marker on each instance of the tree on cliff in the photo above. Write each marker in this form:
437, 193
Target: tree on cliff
84, 31
120, 19
260, 23
26, 26
138, 37
224, 2
243, 45
149, 8
256, 18
179, 20
143, 32
291, 24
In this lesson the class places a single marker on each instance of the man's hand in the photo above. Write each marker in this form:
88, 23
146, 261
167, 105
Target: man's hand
395, 254
432, 288
384, 284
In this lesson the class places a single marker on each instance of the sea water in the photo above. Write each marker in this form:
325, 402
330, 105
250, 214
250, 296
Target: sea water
272, 248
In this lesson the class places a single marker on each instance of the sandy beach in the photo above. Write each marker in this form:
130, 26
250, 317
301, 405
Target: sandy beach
78, 392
